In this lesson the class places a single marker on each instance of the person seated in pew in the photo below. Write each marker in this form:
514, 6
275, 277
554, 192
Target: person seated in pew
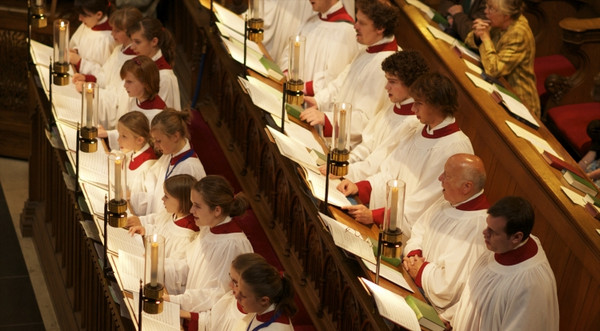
202, 273
267, 297
420, 157
171, 137
174, 222
151, 39
330, 45
445, 241
511, 286
92, 43
460, 15
362, 82
134, 141
507, 48
226, 313
380, 136
590, 162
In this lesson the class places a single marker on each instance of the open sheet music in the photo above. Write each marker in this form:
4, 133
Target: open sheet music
317, 186
294, 150
93, 167
540, 144
393, 306
349, 239
390, 274
167, 320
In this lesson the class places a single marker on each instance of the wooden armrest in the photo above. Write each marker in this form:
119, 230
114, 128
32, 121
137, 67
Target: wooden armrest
580, 24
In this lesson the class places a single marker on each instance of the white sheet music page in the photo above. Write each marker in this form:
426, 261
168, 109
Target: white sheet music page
302, 136
41, 53
131, 265
264, 97
68, 134
229, 18
230, 33
335, 197
480, 82
538, 143
390, 274
393, 306
293, 150
236, 50
67, 108
517, 108
422, 7
349, 239
439, 34
167, 320
94, 196
93, 167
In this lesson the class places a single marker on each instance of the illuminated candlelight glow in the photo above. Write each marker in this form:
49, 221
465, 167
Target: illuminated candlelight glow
89, 99
154, 263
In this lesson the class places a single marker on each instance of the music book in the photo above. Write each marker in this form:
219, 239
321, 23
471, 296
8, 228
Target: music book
130, 269
426, 314
167, 320
392, 306
473, 67
254, 60
264, 96
306, 138
515, 108
480, 82
67, 108
94, 196
592, 199
593, 210
349, 239
575, 197
317, 184
293, 150
40, 53
119, 239
580, 183
93, 167
229, 18
538, 143
560, 164
229, 33
432, 14
68, 135
460, 47
391, 274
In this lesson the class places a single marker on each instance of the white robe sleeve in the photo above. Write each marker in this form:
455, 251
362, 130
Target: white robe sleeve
169, 89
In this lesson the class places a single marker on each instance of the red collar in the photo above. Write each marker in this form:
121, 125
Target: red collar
441, 132
229, 227
188, 223
340, 15
478, 203
102, 27
128, 51
518, 255
146, 155
161, 63
391, 46
154, 103
240, 308
185, 154
404, 109
267, 316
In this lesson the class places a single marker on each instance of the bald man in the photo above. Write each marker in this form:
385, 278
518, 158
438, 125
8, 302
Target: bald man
446, 240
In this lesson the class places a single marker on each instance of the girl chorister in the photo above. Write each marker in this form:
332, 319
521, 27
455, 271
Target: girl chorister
151, 39
92, 43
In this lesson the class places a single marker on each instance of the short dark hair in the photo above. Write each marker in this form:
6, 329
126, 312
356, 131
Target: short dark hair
384, 16
437, 90
91, 6
518, 213
407, 66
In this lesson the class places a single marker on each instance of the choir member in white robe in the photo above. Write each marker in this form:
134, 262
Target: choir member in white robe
138, 163
362, 82
420, 157
282, 20
203, 273
330, 45
92, 41
151, 39
169, 130
446, 240
511, 287
380, 136
149, 107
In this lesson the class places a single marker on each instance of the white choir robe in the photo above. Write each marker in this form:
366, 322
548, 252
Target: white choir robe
138, 164
252, 320
148, 200
204, 271
109, 74
150, 108
330, 47
282, 20
518, 296
380, 138
177, 237
418, 161
223, 316
169, 86
451, 241
94, 45
362, 84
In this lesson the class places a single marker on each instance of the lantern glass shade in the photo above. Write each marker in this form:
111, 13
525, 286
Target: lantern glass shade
39, 3
342, 113
117, 176
154, 270
89, 105
394, 205
61, 42
297, 46
256, 9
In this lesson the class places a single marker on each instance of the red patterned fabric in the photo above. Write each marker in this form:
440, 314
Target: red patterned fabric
570, 123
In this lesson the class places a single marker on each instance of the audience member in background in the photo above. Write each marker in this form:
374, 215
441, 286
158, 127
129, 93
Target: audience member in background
590, 162
460, 15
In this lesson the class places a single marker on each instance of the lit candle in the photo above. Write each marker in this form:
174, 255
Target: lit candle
118, 162
62, 36
394, 208
296, 59
341, 138
154, 264
89, 99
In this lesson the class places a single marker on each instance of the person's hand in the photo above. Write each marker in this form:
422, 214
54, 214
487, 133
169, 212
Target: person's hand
185, 314
412, 264
102, 132
313, 116
78, 78
166, 296
455, 9
481, 29
74, 57
136, 229
79, 86
323, 171
133, 221
360, 213
310, 101
347, 187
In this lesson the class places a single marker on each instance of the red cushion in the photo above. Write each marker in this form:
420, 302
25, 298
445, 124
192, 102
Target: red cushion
571, 122
543, 66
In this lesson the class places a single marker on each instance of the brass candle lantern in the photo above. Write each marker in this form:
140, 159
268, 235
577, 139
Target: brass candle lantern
117, 187
295, 83
154, 274
89, 118
340, 139
37, 13
394, 214
256, 22
60, 67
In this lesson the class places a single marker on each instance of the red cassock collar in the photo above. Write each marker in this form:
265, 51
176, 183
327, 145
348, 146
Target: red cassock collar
340, 15
137, 161
478, 203
187, 222
516, 256
102, 27
390, 46
404, 109
441, 132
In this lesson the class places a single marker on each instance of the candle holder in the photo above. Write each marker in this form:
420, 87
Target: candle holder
337, 158
37, 14
89, 118
256, 23
117, 186
390, 234
295, 84
154, 274
60, 68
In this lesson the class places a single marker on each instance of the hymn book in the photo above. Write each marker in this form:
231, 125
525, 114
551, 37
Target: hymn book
559, 164
580, 183
391, 274
93, 167
165, 321
538, 143
349, 239
293, 150
426, 314
317, 184
392, 306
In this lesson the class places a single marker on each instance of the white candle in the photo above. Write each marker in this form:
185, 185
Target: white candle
394, 208
62, 36
118, 162
39, 3
341, 138
154, 264
89, 99
296, 59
